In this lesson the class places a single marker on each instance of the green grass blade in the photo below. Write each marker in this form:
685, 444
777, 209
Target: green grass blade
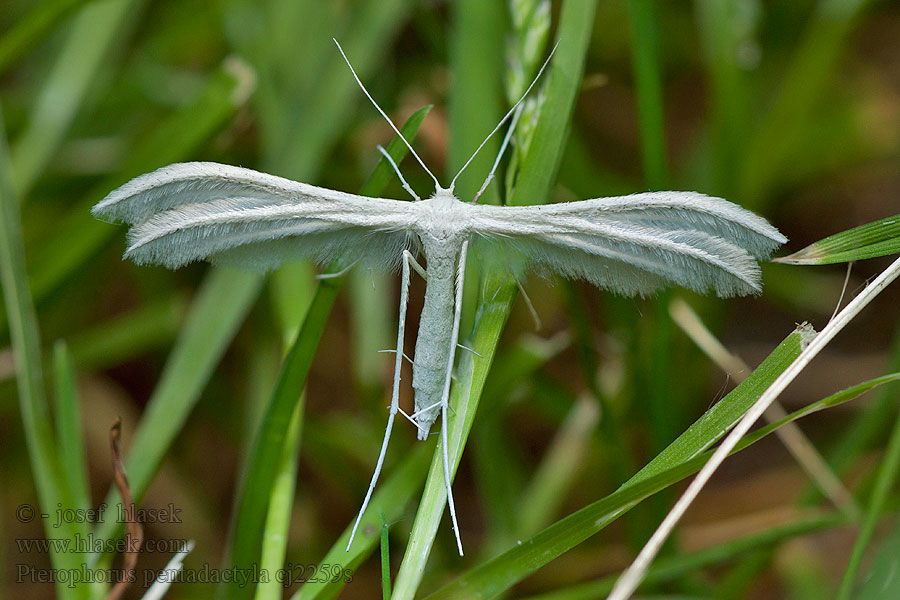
836, 399
672, 567
290, 291
684, 457
218, 310
537, 175
33, 28
262, 468
391, 498
80, 235
877, 238
882, 581
23, 320
67, 414
385, 559
278, 516
51, 484
886, 480
498, 574
716, 421
87, 46
252, 498
538, 170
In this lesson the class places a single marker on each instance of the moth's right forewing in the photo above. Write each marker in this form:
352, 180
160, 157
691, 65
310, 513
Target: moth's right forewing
207, 211
637, 244
191, 183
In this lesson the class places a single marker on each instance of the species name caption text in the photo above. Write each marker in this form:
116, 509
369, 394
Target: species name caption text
87, 543
291, 574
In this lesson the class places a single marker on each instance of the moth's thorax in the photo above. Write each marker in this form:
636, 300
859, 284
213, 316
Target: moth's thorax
444, 218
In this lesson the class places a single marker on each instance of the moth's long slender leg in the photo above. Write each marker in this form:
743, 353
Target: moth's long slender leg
500, 287
445, 397
422, 411
392, 351
412, 418
470, 350
534, 314
415, 265
528, 303
395, 393
409, 418
338, 273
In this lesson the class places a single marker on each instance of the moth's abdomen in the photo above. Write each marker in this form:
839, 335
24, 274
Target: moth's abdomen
433, 347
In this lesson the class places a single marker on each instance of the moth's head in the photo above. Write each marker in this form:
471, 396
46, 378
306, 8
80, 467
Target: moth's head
513, 114
443, 197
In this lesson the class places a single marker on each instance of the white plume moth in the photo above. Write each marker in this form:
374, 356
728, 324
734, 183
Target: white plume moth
630, 244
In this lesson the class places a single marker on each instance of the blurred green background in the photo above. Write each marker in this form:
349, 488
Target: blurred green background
791, 109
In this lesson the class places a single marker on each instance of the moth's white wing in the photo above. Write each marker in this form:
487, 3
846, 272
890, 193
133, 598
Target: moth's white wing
208, 211
637, 244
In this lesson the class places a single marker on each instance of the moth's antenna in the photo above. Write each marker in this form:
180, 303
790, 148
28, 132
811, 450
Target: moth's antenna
383, 114
508, 115
506, 138
397, 171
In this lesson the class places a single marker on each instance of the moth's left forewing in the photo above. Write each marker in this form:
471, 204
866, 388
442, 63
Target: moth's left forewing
636, 244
